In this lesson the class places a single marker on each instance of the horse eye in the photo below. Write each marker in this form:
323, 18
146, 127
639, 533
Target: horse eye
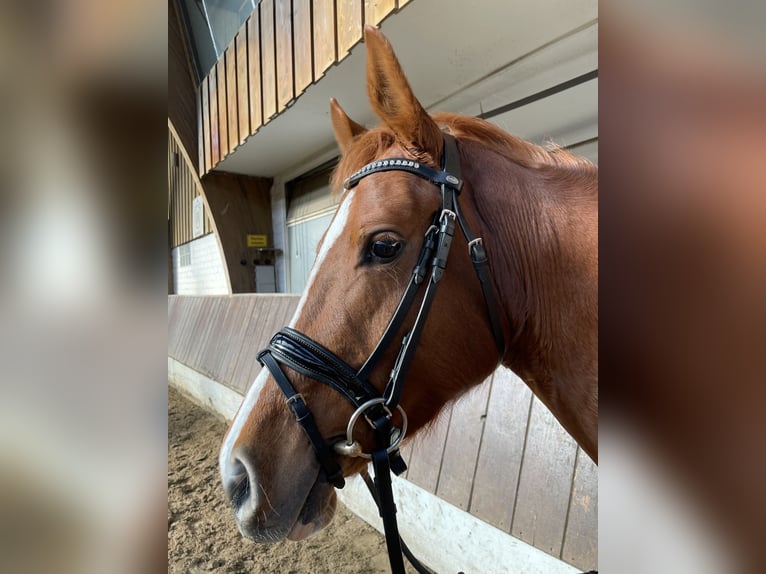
385, 249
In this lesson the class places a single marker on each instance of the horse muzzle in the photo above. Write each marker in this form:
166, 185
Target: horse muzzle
296, 506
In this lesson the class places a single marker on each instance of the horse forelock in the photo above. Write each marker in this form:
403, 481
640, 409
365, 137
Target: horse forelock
369, 146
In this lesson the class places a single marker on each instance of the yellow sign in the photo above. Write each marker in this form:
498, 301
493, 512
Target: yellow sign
256, 240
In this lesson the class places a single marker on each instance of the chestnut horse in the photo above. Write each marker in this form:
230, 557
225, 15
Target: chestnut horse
536, 211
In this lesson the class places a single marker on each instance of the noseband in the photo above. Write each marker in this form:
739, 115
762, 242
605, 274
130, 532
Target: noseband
304, 355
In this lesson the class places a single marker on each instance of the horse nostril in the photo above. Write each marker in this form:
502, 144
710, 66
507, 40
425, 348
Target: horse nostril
239, 493
236, 481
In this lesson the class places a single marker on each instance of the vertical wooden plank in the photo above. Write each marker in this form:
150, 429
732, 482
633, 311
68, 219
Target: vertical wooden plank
223, 119
181, 321
284, 37
215, 137
349, 25
502, 447
184, 216
462, 448
223, 344
189, 331
173, 210
269, 314
254, 71
376, 10
581, 537
209, 334
245, 306
270, 321
268, 60
402, 2
205, 124
217, 338
200, 136
324, 36
242, 377
549, 459
302, 40
243, 103
231, 95
427, 451
406, 451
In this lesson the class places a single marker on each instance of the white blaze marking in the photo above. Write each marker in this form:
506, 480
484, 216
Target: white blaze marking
254, 393
251, 398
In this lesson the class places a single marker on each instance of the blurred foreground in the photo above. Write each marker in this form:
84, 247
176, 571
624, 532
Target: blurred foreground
82, 305
683, 288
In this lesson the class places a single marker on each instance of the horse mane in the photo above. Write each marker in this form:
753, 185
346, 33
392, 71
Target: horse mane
511, 147
552, 159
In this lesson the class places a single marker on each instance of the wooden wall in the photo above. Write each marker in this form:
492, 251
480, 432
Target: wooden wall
183, 186
280, 50
182, 83
497, 452
239, 205
233, 205
220, 336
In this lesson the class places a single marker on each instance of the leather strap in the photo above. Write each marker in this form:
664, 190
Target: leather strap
309, 358
306, 421
403, 164
385, 498
405, 303
481, 267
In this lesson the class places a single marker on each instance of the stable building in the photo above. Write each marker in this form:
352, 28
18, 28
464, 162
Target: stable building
250, 154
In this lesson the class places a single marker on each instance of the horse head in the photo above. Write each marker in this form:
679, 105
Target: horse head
364, 264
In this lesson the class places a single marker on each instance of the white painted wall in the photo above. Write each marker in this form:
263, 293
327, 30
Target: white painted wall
206, 274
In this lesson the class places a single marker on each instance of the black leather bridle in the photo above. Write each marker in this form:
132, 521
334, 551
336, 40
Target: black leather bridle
304, 355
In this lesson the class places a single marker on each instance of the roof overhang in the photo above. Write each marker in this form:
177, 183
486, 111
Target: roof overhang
459, 59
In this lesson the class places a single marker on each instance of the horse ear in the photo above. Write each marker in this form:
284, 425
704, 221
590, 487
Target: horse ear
344, 127
393, 99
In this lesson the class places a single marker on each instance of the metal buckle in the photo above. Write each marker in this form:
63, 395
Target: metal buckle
447, 213
295, 397
353, 448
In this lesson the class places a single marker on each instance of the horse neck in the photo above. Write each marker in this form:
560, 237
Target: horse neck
540, 226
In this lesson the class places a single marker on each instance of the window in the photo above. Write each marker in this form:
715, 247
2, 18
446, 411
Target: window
184, 255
